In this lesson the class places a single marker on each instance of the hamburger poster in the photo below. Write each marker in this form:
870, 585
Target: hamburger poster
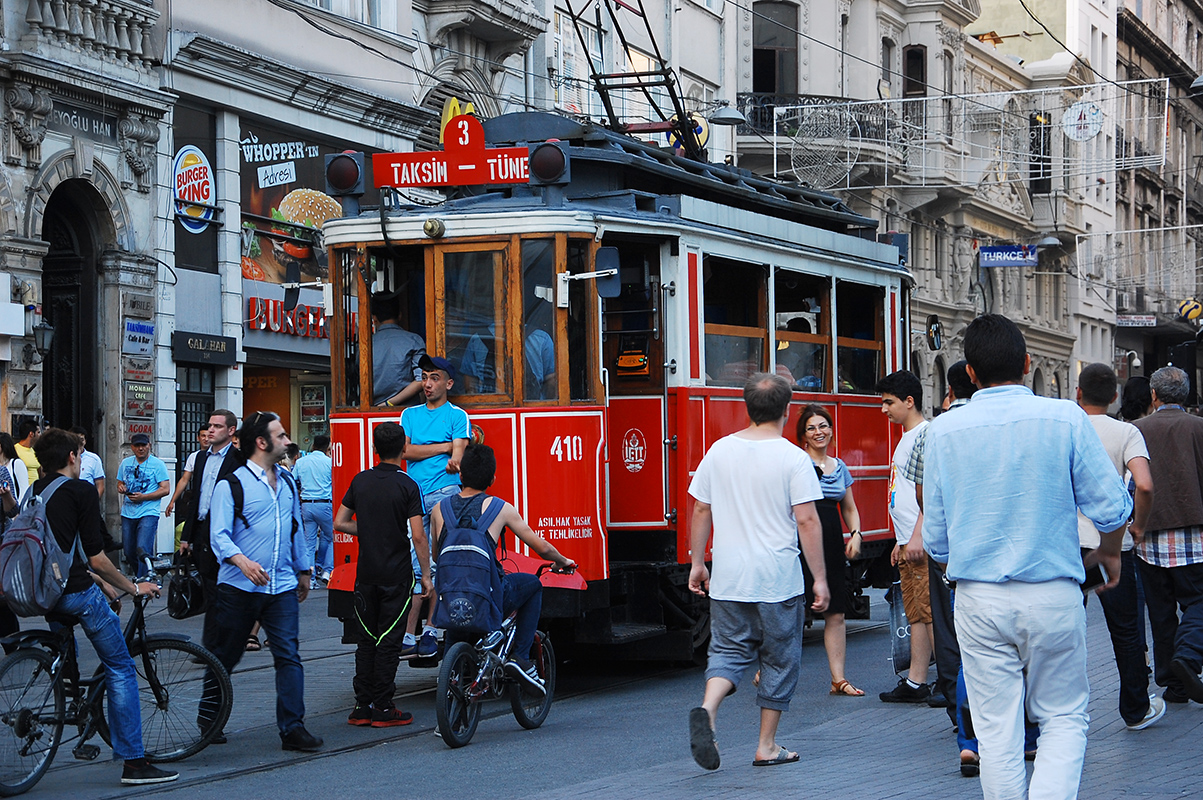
283, 205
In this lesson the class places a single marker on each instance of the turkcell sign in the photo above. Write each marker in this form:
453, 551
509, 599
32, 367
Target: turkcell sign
1011, 255
465, 161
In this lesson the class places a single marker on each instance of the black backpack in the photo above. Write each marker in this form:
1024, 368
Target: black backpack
469, 578
204, 557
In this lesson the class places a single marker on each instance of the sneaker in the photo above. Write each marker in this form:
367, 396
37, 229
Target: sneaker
408, 650
300, 739
139, 772
1156, 711
360, 715
903, 693
428, 644
529, 675
1188, 674
391, 718
938, 700
1170, 696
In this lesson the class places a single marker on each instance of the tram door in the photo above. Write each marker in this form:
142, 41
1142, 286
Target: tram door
633, 351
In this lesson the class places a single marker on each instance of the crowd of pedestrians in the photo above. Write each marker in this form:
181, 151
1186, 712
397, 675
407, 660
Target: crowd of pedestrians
1008, 514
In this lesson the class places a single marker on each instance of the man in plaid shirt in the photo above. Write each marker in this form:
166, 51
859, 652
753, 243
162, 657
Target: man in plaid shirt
1170, 552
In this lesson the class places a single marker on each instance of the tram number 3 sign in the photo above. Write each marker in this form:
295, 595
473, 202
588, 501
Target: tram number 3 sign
465, 161
568, 448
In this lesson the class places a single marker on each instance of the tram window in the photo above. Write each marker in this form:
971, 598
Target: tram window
632, 332
399, 313
474, 332
860, 328
538, 320
802, 318
580, 380
736, 317
344, 261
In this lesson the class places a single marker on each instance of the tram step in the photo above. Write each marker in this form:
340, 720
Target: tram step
623, 632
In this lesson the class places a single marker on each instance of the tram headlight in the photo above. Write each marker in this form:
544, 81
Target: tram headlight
434, 228
344, 174
549, 164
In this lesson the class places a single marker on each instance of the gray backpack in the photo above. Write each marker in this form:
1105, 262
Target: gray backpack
33, 568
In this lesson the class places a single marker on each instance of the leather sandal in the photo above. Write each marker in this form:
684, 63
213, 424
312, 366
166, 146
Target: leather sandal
846, 689
252, 644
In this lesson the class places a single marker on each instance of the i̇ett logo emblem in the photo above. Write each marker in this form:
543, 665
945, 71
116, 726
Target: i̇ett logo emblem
634, 450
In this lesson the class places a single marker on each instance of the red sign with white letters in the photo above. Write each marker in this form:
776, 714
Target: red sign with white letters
465, 161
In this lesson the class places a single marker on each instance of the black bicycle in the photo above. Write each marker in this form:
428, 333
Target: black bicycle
185, 696
473, 673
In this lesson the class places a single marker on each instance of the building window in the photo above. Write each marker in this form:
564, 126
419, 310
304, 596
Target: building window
914, 71
573, 68
949, 66
1040, 167
775, 48
887, 61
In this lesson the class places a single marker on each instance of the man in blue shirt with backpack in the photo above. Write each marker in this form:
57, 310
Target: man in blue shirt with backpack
255, 518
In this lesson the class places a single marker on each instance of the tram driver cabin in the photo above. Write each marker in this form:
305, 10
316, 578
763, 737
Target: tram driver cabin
600, 407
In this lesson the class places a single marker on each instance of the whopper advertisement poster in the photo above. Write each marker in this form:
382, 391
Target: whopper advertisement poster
283, 205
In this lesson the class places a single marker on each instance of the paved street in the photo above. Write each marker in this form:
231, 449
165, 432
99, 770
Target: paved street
619, 731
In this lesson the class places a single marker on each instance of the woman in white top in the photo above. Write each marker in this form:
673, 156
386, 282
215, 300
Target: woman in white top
13, 480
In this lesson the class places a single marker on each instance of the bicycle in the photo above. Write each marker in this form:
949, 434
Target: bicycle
41, 693
473, 673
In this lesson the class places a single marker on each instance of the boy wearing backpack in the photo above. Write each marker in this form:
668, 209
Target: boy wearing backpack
387, 508
72, 511
521, 591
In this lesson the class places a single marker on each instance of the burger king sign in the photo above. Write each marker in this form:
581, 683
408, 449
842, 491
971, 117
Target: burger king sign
193, 180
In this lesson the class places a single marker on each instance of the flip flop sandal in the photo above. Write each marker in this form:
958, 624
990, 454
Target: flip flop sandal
845, 689
970, 766
701, 739
252, 644
783, 757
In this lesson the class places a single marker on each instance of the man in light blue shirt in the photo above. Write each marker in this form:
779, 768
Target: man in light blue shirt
143, 482
314, 473
265, 568
1003, 478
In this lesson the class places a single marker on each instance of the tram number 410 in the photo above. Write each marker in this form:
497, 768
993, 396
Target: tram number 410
568, 448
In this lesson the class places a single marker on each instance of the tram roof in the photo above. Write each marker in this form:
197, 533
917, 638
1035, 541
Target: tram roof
611, 171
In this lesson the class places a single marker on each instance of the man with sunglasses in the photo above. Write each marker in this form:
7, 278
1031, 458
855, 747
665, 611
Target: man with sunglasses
142, 481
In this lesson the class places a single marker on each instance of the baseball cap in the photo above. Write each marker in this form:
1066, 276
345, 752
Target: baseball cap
139, 438
429, 362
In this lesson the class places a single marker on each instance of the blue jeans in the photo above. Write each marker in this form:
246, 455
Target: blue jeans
318, 519
121, 681
1122, 612
429, 501
237, 611
523, 593
139, 534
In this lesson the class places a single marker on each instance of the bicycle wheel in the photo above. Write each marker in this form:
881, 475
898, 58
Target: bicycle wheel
32, 708
186, 697
530, 706
457, 713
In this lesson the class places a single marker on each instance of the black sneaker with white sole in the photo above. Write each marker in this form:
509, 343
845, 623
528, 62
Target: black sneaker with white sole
528, 674
905, 693
138, 772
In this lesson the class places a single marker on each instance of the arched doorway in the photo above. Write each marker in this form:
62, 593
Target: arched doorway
1038, 382
71, 225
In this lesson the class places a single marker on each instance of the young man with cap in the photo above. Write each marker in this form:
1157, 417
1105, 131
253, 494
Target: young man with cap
142, 480
436, 434
396, 353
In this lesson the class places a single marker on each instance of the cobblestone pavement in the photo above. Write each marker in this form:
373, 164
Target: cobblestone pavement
619, 731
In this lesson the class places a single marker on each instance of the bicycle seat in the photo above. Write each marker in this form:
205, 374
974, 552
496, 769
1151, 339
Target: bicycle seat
67, 620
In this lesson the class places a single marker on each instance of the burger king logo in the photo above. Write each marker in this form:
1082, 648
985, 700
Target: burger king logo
193, 180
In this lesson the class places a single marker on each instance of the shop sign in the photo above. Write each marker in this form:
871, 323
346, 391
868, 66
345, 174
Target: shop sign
77, 121
139, 339
204, 348
137, 369
136, 426
264, 314
192, 179
1011, 255
139, 401
313, 404
139, 306
1135, 320
465, 161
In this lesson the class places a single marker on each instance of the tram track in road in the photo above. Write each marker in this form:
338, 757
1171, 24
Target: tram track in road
491, 710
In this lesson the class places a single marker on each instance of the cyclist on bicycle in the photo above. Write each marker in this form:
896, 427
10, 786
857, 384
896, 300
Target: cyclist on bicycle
75, 508
522, 591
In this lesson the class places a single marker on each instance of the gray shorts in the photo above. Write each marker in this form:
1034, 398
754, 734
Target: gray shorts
768, 634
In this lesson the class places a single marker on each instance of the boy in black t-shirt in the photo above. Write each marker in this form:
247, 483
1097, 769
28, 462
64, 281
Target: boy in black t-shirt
384, 500
74, 508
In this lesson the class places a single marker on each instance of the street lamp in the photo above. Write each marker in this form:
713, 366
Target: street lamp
726, 115
43, 338
1048, 241
1196, 86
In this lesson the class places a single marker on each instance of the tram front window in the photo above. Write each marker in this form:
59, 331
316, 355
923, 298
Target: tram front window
736, 315
539, 381
474, 334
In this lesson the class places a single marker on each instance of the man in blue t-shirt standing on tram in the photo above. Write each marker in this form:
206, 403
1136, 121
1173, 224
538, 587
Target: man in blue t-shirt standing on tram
436, 434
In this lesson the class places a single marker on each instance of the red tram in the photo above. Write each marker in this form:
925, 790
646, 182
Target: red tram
601, 392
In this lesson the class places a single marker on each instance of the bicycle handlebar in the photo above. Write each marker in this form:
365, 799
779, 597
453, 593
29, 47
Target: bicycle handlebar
551, 567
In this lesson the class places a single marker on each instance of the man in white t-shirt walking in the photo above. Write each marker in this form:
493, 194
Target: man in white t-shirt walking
902, 401
1125, 445
756, 490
